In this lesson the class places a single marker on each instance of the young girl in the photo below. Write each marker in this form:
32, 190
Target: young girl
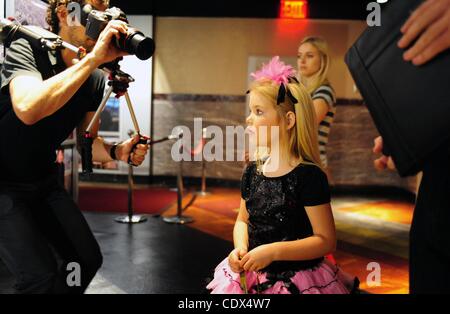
285, 225
313, 61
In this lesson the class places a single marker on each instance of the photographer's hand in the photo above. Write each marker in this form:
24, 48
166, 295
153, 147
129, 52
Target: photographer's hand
137, 156
105, 50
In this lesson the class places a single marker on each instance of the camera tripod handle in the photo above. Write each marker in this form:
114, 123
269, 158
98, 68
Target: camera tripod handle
86, 142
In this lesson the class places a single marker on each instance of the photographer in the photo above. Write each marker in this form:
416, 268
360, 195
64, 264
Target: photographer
44, 96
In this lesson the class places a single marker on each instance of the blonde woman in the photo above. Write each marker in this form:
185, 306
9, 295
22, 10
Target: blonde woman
313, 62
285, 226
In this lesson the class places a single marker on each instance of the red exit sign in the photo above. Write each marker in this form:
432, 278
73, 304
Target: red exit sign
294, 9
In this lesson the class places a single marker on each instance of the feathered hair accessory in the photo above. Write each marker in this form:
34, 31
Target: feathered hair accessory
279, 73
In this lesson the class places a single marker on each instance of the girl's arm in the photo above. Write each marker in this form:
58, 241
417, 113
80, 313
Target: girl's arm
240, 231
322, 242
240, 236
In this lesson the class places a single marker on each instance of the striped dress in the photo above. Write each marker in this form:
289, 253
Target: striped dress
325, 92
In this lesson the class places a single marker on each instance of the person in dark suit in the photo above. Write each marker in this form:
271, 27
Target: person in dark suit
429, 28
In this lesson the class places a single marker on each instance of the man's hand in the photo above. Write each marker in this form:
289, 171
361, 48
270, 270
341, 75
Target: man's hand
123, 150
384, 162
430, 23
105, 50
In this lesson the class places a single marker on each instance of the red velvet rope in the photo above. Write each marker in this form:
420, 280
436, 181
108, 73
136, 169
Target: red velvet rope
197, 150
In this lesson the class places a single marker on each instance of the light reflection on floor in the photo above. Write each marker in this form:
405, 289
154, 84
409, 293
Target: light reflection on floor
370, 229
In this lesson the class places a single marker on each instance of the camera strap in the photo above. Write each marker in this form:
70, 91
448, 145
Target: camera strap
47, 62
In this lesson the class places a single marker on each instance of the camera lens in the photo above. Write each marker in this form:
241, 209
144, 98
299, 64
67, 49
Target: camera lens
137, 44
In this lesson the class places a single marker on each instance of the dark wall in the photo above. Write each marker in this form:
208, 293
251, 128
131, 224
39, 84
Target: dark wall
318, 9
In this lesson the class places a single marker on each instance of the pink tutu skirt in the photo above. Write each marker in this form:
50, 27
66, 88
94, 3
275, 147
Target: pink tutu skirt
326, 278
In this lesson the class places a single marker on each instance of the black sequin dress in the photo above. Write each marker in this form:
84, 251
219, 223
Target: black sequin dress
276, 208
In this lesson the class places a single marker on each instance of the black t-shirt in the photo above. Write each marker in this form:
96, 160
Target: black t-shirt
27, 152
276, 208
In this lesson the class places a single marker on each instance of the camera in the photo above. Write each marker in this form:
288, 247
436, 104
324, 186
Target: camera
134, 42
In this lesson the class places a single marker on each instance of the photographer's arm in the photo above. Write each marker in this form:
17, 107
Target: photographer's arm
34, 99
101, 149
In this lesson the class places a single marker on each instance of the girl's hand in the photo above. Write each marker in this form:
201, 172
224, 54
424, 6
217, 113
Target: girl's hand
234, 259
258, 258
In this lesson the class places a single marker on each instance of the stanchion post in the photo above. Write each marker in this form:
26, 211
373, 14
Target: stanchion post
203, 191
179, 218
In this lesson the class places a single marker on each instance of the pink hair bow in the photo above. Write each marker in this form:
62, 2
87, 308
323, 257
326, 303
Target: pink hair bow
276, 71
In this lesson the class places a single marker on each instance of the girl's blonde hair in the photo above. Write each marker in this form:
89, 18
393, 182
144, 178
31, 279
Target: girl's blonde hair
301, 139
321, 76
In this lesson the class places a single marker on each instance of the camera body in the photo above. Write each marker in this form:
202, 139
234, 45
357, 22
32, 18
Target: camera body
96, 21
134, 42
